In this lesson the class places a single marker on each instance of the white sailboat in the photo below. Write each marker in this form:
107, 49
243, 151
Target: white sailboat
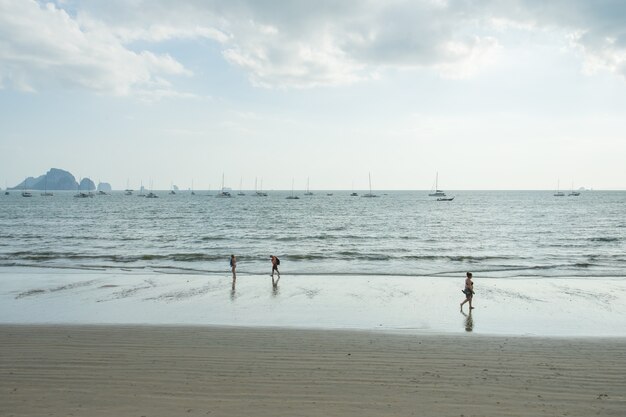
240, 190
353, 194
292, 196
307, 192
81, 194
370, 194
558, 193
142, 190
45, 188
128, 191
259, 192
225, 193
150, 193
436, 192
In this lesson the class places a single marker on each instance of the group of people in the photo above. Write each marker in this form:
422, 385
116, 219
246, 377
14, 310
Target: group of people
275, 263
468, 290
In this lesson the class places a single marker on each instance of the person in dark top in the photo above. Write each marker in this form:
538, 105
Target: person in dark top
233, 266
275, 263
468, 291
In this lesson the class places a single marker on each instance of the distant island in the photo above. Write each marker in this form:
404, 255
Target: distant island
55, 179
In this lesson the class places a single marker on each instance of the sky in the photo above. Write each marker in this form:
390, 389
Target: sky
507, 94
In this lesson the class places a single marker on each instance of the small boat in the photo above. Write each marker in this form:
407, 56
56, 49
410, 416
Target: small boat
329, 194
6, 193
370, 195
172, 192
240, 190
27, 194
573, 193
128, 191
102, 193
142, 190
292, 196
81, 194
45, 190
259, 192
445, 199
225, 193
307, 192
354, 195
436, 192
558, 193
151, 195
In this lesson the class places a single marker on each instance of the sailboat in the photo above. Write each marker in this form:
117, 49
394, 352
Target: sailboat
142, 190
369, 195
192, 191
128, 191
292, 197
224, 193
437, 192
259, 192
572, 192
307, 192
45, 192
151, 194
353, 194
240, 190
172, 192
558, 193
81, 194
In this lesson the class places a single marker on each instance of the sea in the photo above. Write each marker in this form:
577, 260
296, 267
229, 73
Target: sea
495, 234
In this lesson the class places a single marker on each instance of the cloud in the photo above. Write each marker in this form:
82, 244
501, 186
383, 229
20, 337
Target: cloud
42, 46
295, 44
596, 29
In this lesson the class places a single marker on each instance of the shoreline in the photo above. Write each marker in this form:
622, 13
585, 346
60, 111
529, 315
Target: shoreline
176, 370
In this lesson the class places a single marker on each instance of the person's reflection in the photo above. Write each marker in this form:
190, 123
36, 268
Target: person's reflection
275, 286
233, 293
469, 321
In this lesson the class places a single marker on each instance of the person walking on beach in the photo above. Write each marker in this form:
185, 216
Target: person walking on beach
275, 263
468, 291
233, 267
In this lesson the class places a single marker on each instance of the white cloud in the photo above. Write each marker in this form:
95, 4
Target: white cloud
43, 46
296, 44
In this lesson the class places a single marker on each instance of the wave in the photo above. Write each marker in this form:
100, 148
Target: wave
604, 239
49, 256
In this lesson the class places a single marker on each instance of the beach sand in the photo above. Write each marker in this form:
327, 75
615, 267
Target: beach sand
221, 371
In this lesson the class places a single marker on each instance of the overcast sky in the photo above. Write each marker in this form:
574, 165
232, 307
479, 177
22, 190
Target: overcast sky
507, 94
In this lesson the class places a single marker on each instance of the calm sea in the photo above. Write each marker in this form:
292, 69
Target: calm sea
495, 233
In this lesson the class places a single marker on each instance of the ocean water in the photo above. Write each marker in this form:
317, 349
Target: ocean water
499, 234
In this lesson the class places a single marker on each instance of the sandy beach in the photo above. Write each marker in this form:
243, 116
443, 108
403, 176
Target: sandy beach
175, 371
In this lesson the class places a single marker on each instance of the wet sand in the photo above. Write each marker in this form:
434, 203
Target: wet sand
564, 307
220, 371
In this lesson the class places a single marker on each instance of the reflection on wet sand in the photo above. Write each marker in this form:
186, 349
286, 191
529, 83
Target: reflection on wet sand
469, 321
233, 293
275, 289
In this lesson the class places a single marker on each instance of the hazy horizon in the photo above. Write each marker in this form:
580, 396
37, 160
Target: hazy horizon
509, 95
